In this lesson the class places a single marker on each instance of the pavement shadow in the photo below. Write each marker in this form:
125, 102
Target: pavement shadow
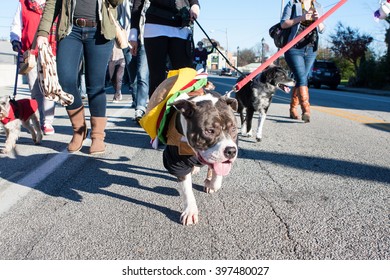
322, 165
98, 175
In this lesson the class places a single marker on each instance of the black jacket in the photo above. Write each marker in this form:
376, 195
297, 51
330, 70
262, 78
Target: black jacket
164, 12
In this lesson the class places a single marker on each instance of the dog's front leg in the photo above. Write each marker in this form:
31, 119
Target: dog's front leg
190, 214
213, 181
260, 125
12, 131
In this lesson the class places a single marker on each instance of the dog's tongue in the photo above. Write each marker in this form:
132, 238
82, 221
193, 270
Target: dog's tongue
222, 168
287, 89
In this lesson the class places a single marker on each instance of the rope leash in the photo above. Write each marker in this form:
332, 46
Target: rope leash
48, 78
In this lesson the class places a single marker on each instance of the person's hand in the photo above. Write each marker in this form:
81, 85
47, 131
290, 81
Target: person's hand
41, 40
16, 45
316, 15
133, 47
194, 12
307, 16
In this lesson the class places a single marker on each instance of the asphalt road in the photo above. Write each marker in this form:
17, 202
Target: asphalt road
307, 191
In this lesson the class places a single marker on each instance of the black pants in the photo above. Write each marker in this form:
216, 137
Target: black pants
160, 50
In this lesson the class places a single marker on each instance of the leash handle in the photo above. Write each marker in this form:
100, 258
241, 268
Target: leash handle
17, 73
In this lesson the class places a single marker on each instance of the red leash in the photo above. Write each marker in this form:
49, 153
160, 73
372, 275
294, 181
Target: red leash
269, 61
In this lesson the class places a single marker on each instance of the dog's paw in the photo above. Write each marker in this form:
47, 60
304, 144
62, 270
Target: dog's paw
189, 216
5, 151
195, 170
258, 139
209, 187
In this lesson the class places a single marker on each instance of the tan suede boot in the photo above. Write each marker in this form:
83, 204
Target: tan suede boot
294, 104
98, 125
305, 105
77, 118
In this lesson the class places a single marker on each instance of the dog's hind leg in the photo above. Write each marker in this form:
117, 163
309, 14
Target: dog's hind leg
260, 125
190, 214
33, 125
248, 123
213, 182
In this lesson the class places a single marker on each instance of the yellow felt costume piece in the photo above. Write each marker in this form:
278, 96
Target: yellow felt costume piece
176, 80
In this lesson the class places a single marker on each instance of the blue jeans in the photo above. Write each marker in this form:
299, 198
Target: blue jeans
300, 62
139, 78
87, 42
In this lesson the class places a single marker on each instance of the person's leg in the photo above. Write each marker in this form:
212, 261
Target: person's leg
142, 82
156, 52
177, 51
120, 69
295, 59
69, 52
128, 57
97, 51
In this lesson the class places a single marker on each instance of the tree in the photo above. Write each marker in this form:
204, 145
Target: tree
246, 56
350, 44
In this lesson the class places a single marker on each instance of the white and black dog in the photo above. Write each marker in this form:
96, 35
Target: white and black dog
202, 131
256, 96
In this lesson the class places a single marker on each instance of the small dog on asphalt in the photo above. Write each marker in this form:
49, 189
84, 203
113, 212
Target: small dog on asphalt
202, 130
14, 114
256, 96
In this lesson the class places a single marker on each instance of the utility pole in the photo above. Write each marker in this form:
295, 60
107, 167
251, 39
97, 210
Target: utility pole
262, 50
238, 53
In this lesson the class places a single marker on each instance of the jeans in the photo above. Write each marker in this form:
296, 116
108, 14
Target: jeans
90, 43
139, 78
300, 62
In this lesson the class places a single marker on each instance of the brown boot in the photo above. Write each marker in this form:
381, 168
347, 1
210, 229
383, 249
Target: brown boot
294, 104
305, 105
98, 125
77, 118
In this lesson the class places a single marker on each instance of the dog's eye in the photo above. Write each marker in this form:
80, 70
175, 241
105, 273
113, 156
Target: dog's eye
209, 131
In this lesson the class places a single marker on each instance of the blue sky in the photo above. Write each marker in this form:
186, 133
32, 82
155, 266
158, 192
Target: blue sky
244, 23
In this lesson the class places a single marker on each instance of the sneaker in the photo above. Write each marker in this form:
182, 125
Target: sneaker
48, 129
117, 97
138, 115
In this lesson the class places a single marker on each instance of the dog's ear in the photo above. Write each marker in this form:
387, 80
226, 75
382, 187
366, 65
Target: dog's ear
232, 102
185, 107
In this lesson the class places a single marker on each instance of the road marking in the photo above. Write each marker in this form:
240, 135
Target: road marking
348, 115
16, 191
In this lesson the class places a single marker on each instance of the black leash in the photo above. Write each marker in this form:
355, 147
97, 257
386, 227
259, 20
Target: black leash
12, 99
227, 60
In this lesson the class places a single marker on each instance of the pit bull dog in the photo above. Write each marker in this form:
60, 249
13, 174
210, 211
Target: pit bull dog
202, 131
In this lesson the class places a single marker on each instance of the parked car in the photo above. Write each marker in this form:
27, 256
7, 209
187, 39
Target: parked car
226, 72
324, 73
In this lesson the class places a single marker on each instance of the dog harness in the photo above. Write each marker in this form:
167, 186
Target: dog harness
25, 108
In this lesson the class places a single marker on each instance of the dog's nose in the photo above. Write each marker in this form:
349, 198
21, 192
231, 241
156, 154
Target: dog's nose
230, 152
